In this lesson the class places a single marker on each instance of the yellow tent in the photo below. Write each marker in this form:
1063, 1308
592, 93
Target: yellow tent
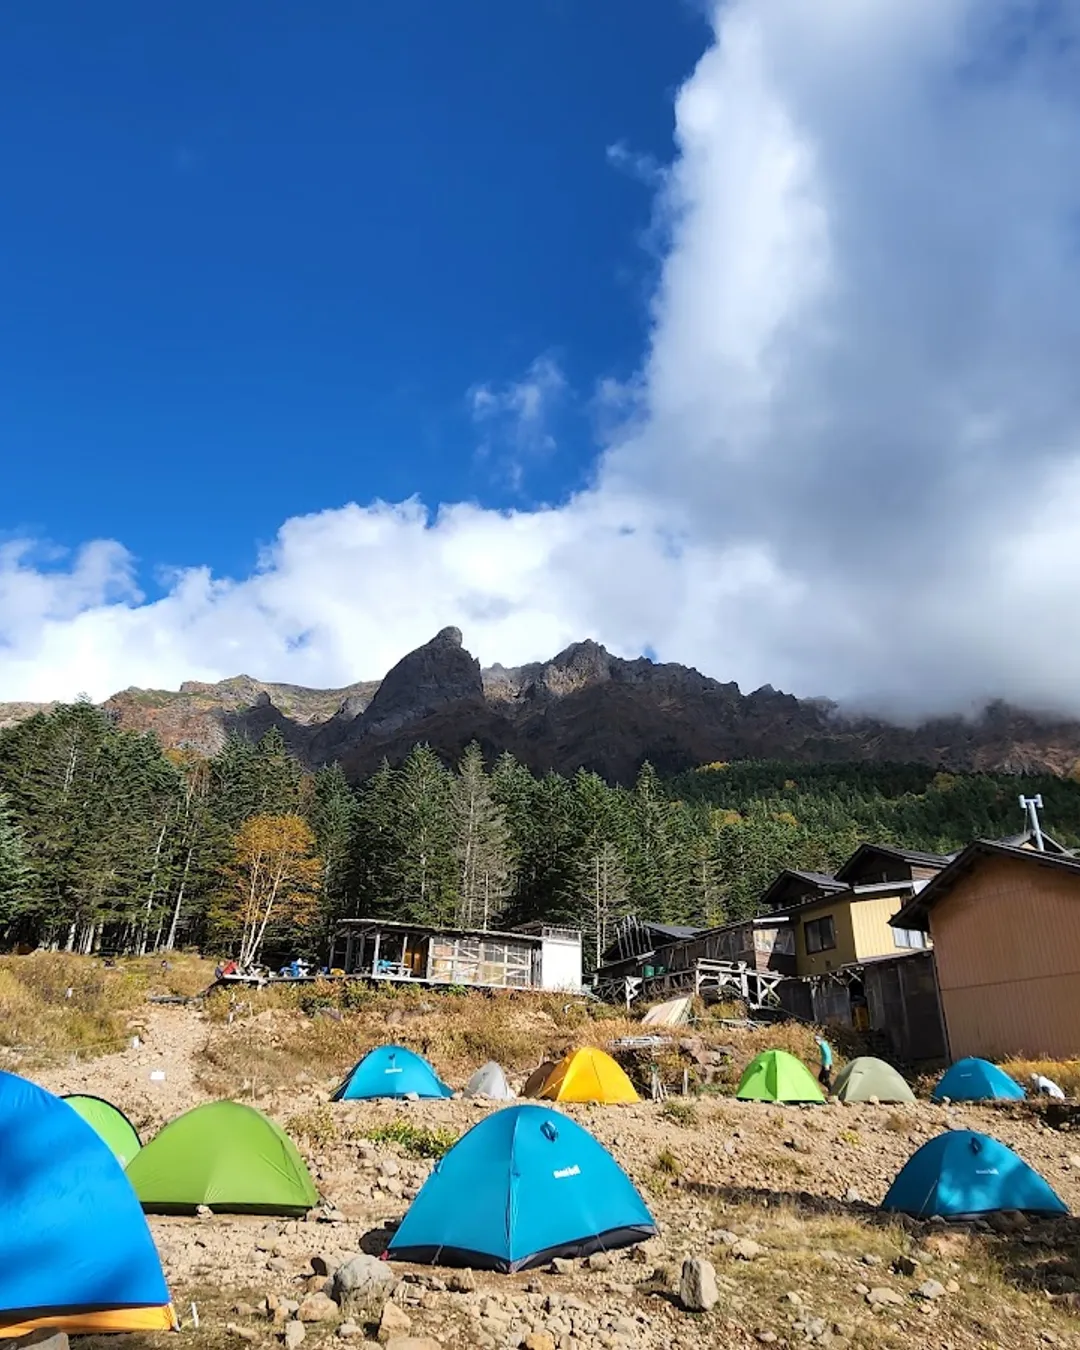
588, 1075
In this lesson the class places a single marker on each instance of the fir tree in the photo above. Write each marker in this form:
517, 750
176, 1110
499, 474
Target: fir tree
482, 845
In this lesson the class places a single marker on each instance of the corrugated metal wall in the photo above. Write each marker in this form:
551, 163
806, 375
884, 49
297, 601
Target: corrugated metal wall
1007, 945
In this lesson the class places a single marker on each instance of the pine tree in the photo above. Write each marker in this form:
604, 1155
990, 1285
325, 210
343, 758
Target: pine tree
482, 846
422, 870
333, 817
14, 872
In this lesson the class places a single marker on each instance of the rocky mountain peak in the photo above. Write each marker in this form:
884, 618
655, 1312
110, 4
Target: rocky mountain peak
436, 676
583, 708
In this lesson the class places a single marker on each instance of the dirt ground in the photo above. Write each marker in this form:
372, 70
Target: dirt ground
780, 1199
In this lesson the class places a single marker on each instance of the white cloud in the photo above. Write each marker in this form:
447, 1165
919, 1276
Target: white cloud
636, 164
516, 418
851, 460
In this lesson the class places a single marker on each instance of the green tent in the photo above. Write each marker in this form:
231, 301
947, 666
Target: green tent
868, 1077
109, 1122
776, 1076
225, 1155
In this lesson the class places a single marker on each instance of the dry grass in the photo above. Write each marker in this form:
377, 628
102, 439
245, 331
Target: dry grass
1064, 1072
307, 1033
53, 1004
818, 1257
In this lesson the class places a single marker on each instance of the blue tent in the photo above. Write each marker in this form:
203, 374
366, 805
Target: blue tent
960, 1173
75, 1251
524, 1185
976, 1080
391, 1071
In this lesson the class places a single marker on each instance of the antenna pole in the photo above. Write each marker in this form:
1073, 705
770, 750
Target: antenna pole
1031, 806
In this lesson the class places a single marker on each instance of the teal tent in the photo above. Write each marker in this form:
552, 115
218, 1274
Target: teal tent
391, 1071
523, 1186
976, 1080
960, 1174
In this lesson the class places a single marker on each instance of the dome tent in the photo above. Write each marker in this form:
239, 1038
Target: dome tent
109, 1122
524, 1185
225, 1155
868, 1077
538, 1078
587, 1075
960, 1174
489, 1081
75, 1252
391, 1071
976, 1080
776, 1076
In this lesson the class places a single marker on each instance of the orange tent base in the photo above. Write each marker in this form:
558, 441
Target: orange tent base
78, 1323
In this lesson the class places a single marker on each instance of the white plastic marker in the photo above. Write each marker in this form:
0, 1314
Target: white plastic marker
157, 1075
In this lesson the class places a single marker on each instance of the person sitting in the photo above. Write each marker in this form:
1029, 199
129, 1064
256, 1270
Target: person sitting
1046, 1087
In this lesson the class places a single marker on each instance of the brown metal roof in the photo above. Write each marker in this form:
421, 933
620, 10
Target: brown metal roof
916, 913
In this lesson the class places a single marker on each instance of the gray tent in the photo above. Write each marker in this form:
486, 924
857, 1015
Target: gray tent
489, 1081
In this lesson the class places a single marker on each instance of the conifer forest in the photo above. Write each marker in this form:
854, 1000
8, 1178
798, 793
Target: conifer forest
108, 843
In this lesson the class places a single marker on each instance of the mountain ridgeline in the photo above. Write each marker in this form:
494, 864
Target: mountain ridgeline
583, 709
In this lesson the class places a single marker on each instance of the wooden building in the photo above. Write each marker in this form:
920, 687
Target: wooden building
1005, 924
893, 996
539, 956
744, 959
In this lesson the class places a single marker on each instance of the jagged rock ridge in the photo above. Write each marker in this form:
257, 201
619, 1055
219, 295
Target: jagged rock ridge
584, 708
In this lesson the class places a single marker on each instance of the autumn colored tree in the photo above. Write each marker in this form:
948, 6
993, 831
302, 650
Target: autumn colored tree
274, 880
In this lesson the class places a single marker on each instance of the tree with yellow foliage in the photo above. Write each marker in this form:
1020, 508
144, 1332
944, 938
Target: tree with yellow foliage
274, 877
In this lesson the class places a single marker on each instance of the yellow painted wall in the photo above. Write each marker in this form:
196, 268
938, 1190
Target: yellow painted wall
862, 930
817, 963
870, 919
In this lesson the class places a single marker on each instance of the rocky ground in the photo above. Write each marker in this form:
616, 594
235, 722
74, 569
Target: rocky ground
767, 1217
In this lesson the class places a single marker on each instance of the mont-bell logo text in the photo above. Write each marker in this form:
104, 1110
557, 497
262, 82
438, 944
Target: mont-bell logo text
574, 1171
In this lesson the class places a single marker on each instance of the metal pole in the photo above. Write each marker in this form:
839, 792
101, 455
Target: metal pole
1031, 806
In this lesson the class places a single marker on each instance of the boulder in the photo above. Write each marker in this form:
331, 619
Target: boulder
697, 1285
884, 1297
360, 1276
318, 1308
393, 1322
294, 1335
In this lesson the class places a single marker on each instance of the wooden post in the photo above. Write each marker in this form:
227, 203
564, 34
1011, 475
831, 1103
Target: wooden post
375, 955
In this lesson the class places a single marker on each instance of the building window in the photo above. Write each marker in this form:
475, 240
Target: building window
909, 937
820, 934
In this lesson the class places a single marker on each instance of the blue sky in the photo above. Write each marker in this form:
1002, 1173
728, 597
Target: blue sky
255, 256
325, 326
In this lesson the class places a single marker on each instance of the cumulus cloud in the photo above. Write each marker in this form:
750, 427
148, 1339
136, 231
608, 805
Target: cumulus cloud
849, 464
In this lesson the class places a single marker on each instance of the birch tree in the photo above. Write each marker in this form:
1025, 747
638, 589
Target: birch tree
274, 880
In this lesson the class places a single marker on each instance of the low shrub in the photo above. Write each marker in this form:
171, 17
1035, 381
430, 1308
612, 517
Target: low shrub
416, 1141
680, 1112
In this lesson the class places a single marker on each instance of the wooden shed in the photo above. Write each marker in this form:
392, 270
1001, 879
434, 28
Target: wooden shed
1005, 924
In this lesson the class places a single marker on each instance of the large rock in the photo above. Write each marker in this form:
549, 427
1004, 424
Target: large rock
394, 1321
361, 1277
697, 1285
318, 1307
